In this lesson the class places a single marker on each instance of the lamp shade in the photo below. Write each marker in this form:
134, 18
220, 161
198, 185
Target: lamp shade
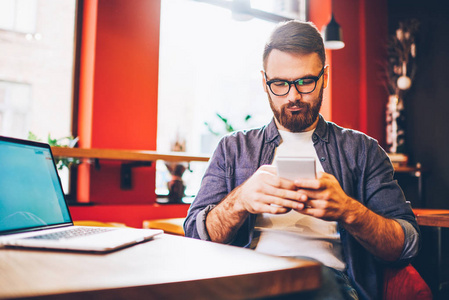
333, 35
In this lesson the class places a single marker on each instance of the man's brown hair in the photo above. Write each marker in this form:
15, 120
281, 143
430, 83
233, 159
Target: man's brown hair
295, 37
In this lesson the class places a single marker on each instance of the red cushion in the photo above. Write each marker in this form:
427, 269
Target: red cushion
405, 283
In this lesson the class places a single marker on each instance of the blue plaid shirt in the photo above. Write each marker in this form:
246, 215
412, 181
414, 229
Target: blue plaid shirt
360, 165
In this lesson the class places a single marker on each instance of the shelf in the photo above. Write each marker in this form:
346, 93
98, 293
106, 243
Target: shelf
125, 155
130, 158
142, 155
408, 169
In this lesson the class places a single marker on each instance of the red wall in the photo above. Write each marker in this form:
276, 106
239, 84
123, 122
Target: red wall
376, 39
347, 66
319, 14
118, 102
130, 215
357, 94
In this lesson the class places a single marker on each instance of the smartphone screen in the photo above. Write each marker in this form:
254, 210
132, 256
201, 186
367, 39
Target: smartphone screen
292, 168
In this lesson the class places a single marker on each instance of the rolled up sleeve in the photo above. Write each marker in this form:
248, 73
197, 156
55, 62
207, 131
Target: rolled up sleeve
411, 243
201, 223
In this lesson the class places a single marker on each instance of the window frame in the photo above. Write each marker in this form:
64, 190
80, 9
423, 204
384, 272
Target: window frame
71, 194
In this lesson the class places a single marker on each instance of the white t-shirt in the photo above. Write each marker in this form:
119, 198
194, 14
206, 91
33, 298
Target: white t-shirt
295, 234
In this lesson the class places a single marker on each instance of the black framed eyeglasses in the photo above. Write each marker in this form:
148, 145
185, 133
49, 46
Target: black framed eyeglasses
305, 85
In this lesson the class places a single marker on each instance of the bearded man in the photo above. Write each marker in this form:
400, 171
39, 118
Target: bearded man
353, 218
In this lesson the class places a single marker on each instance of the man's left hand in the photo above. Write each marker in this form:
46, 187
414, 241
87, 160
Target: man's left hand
326, 199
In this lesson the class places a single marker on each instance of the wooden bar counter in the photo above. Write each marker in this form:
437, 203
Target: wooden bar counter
432, 217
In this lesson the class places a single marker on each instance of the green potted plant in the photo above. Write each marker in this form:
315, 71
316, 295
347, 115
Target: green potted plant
68, 141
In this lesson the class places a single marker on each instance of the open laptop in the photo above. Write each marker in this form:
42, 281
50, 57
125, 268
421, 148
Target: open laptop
34, 212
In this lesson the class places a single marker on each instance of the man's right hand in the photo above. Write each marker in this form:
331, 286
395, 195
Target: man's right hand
265, 192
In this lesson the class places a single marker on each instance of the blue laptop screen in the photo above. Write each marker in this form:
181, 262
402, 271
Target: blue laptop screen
30, 192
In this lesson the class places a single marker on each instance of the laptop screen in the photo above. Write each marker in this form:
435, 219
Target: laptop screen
30, 192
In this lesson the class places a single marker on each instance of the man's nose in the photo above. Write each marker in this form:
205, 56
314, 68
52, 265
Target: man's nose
293, 94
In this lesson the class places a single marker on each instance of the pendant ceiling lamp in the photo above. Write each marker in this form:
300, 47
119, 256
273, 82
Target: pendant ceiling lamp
332, 33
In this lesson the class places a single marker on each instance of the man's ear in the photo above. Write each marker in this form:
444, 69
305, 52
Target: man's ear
264, 81
326, 76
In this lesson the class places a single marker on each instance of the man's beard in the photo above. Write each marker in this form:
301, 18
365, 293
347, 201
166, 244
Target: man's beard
301, 120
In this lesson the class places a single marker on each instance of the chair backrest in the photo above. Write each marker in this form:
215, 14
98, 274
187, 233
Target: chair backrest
405, 283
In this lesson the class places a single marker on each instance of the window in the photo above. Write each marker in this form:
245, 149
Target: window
15, 103
36, 68
18, 15
209, 64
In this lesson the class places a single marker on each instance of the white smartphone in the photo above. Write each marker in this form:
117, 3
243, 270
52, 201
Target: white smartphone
292, 168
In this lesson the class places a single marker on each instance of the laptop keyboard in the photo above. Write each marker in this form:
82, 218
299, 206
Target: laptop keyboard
71, 233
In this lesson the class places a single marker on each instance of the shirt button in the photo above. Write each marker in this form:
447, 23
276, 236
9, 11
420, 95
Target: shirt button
314, 137
323, 159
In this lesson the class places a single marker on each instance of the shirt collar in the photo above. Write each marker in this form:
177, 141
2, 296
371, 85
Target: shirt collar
272, 133
321, 130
